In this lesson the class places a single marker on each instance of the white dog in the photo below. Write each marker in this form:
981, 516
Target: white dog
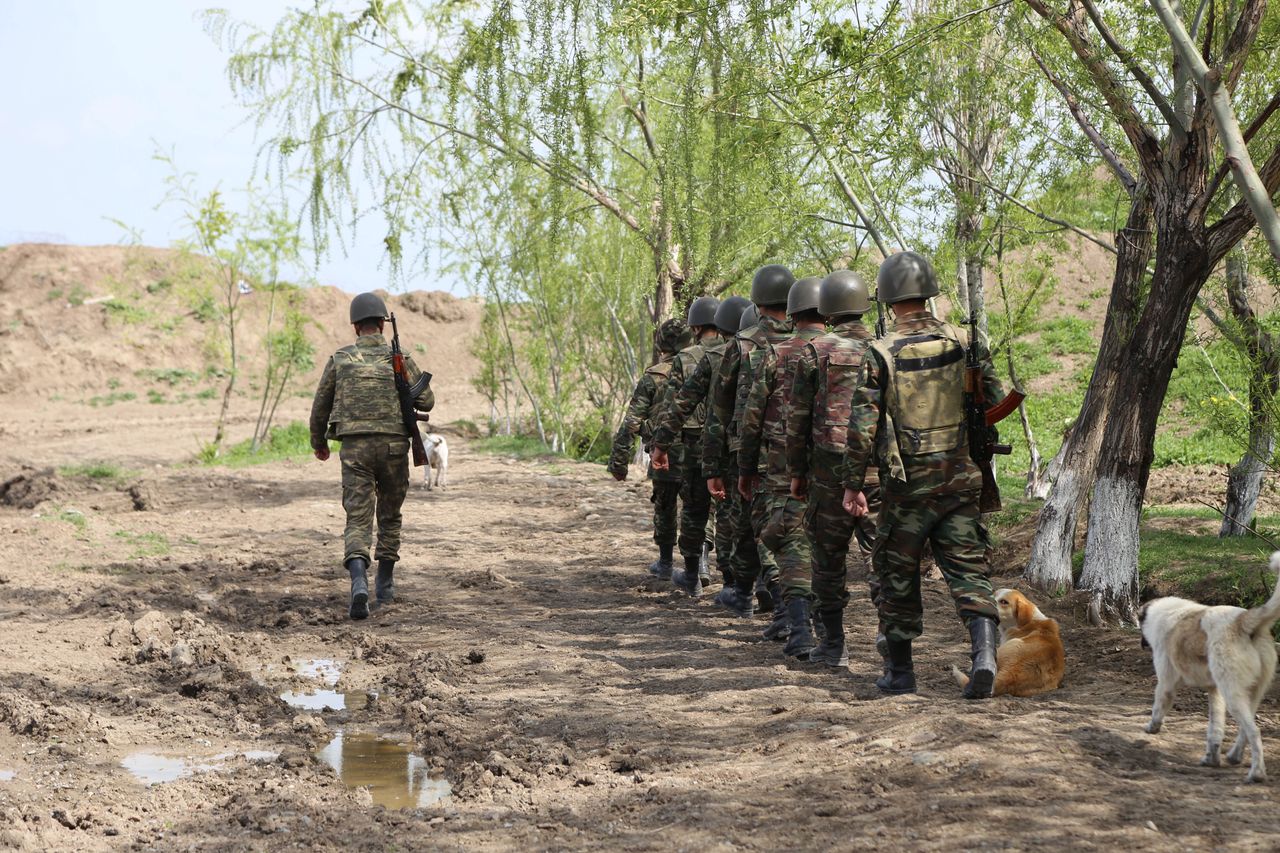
437, 459
1228, 651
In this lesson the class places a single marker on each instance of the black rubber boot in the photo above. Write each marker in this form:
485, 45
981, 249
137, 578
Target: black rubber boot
687, 578
661, 567
982, 677
764, 599
800, 641
739, 602
900, 675
780, 628
830, 649
704, 564
358, 567
384, 583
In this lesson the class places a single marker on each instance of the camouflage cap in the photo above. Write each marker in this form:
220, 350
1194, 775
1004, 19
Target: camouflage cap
672, 336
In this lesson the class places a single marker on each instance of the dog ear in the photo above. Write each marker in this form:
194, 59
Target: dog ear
1023, 609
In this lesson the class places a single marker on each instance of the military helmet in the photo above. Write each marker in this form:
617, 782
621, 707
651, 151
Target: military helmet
672, 336
702, 311
770, 285
368, 306
749, 318
843, 292
729, 314
803, 295
903, 276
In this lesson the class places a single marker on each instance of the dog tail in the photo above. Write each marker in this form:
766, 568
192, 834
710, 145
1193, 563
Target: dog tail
1261, 618
960, 677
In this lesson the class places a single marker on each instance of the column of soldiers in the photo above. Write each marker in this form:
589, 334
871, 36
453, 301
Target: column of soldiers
810, 436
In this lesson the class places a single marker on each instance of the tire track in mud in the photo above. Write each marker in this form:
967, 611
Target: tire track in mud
569, 702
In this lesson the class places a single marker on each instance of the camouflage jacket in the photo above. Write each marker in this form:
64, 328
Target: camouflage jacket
729, 393
685, 407
826, 375
764, 420
638, 419
875, 409
357, 393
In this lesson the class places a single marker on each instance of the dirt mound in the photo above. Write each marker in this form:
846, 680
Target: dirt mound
29, 488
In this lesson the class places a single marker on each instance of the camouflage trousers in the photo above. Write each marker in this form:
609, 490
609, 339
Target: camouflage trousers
780, 520
724, 544
831, 530
375, 480
695, 500
666, 511
750, 558
951, 524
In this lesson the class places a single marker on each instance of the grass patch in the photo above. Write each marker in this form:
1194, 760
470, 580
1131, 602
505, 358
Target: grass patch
171, 376
289, 441
154, 396
519, 446
101, 471
1205, 568
145, 544
126, 312
1068, 336
206, 394
112, 398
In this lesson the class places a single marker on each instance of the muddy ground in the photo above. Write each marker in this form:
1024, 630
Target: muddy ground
566, 702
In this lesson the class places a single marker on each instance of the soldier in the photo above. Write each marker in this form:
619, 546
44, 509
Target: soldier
763, 474
721, 441
358, 405
826, 374
913, 393
671, 337
680, 414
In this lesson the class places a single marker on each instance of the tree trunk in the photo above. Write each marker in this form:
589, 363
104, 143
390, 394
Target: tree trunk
1049, 567
1244, 483
977, 296
962, 284
1128, 443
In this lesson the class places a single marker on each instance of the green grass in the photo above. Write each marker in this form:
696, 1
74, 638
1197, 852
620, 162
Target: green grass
126, 312
1068, 336
206, 394
144, 544
1203, 567
112, 398
288, 441
171, 376
154, 396
105, 472
519, 446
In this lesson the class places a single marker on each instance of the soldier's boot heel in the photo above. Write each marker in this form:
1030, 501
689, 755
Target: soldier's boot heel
765, 602
687, 578
660, 569
738, 601
830, 650
982, 677
800, 641
900, 675
384, 583
358, 567
780, 628
704, 565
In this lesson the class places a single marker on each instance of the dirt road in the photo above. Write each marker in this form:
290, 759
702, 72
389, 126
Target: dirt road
549, 697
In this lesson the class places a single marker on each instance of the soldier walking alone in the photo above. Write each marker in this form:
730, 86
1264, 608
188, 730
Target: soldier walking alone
913, 395
358, 405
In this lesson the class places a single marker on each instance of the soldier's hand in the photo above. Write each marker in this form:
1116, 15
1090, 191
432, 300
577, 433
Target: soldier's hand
799, 488
322, 454
747, 486
715, 485
855, 503
658, 459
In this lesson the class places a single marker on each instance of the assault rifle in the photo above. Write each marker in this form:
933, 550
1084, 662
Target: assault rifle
408, 393
981, 421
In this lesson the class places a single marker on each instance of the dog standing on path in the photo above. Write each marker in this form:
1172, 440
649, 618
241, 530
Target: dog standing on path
1226, 650
437, 460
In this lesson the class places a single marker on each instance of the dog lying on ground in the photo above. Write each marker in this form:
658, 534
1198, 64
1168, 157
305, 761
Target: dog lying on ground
1030, 659
1226, 650
437, 460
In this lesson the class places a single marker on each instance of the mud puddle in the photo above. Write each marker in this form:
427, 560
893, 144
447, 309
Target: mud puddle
326, 670
325, 700
395, 776
153, 768
7, 775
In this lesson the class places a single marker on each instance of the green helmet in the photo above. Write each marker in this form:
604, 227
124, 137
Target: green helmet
749, 318
702, 311
770, 285
803, 295
729, 314
903, 276
843, 292
672, 336
368, 306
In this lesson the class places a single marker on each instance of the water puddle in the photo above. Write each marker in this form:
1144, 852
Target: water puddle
7, 775
323, 669
152, 768
395, 777
325, 700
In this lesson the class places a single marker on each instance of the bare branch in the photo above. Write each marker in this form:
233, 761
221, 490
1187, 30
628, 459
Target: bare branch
1126, 59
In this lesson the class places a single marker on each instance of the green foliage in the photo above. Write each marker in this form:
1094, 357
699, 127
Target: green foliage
112, 398
76, 519
144, 544
1069, 336
105, 472
129, 313
287, 441
155, 396
518, 446
171, 376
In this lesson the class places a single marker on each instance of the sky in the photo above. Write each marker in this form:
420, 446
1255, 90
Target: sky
90, 90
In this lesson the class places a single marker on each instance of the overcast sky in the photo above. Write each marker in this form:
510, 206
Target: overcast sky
89, 89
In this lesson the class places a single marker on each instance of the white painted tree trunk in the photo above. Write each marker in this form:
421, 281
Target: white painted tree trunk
1244, 483
1111, 550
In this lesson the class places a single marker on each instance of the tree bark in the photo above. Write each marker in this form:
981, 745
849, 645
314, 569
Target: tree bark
1049, 567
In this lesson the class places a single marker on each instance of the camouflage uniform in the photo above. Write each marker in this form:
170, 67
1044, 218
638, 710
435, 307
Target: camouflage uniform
826, 375
778, 516
639, 420
682, 411
357, 404
722, 442
929, 485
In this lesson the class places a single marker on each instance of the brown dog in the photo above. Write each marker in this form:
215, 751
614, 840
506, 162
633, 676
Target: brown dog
1030, 659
